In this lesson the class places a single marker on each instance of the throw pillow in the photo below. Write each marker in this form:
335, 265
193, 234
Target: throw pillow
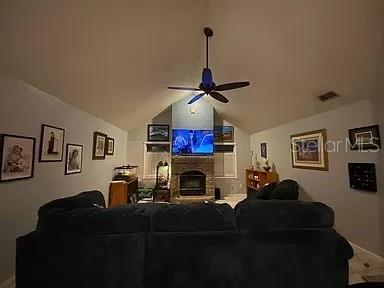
83, 200
266, 192
286, 190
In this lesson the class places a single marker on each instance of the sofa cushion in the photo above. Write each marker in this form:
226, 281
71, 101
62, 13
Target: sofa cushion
286, 190
91, 220
194, 217
282, 215
85, 221
85, 199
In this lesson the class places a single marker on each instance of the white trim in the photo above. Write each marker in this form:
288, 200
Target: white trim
10, 283
146, 176
158, 142
357, 247
234, 153
225, 143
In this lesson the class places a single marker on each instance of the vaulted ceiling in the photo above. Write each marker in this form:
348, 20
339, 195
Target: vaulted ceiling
115, 58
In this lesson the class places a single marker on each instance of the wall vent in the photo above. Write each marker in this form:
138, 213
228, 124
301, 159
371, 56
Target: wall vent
328, 96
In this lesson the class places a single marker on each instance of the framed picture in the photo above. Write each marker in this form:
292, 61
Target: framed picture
224, 134
110, 146
17, 156
263, 150
308, 150
365, 138
158, 132
99, 148
51, 144
162, 176
74, 159
158, 148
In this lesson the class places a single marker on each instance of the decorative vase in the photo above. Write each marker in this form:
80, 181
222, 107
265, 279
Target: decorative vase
252, 160
267, 168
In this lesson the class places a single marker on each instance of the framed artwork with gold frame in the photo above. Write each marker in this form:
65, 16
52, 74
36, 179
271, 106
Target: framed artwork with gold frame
308, 150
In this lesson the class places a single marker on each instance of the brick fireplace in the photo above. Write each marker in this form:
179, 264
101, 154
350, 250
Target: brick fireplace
187, 176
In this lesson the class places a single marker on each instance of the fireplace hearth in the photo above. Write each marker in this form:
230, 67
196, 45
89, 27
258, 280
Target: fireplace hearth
192, 179
192, 183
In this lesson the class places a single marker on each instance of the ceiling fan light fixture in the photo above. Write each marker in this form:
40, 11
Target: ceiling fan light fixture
207, 85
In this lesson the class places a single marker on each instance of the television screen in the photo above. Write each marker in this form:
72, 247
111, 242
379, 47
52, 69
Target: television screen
190, 142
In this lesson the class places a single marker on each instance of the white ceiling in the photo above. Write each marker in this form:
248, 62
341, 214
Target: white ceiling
115, 58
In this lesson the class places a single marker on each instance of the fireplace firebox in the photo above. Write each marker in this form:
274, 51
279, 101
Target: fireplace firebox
192, 183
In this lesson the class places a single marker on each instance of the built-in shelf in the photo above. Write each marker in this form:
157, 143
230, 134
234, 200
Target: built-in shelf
153, 153
225, 160
256, 179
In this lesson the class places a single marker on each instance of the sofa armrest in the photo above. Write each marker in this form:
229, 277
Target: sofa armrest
26, 260
344, 249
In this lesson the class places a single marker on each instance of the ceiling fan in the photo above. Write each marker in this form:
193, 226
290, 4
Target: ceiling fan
207, 86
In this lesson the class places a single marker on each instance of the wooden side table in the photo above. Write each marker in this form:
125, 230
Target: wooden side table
257, 179
123, 192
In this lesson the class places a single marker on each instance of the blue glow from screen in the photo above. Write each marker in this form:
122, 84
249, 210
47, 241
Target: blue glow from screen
189, 142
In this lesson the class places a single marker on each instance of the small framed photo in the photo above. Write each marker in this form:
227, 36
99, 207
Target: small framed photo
74, 159
263, 150
110, 146
17, 157
228, 134
365, 138
99, 146
158, 133
224, 134
51, 144
158, 148
309, 151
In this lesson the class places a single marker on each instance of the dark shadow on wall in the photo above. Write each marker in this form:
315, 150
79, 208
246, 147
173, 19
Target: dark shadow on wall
303, 195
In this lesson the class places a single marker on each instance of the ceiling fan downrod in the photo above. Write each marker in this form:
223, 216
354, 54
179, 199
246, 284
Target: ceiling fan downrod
208, 32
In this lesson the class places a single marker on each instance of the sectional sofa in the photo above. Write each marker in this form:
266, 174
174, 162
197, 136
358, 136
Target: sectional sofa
264, 244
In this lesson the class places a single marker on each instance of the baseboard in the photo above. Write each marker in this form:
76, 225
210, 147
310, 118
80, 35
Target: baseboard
357, 247
10, 283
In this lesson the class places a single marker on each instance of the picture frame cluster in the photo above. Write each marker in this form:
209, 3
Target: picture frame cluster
17, 153
102, 146
308, 149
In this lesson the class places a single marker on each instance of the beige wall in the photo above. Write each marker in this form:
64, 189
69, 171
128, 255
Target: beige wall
183, 119
357, 213
379, 117
23, 109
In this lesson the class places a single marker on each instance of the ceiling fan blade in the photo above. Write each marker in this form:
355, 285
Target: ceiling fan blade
230, 86
195, 98
219, 97
184, 88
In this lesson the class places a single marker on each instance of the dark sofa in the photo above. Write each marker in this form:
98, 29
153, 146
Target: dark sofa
259, 244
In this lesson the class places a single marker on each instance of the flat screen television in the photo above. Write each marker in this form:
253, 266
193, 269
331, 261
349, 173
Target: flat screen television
192, 142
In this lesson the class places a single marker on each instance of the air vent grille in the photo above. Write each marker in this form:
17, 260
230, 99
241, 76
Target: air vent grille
328, 96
